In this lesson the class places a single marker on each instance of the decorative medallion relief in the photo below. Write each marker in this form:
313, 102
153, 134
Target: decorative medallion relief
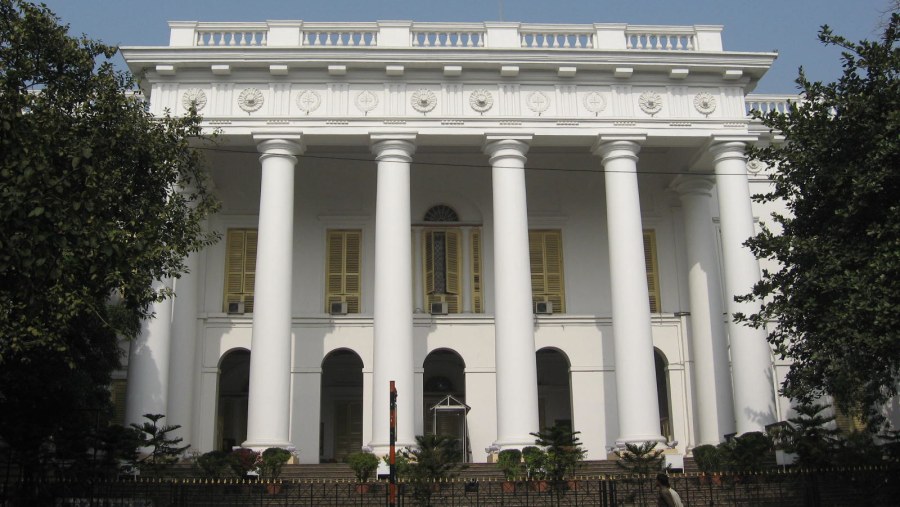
194, 97
423, 100
251, 99
366, 101
308, 101
754, 166
538, 102
481, 100
705, 103
650, 102
594, 102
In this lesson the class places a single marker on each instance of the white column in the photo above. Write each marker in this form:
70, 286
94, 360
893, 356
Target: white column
393, 354
636, 395
268, 414
712, 372
148, 363
754, 394
517, 398
183, 351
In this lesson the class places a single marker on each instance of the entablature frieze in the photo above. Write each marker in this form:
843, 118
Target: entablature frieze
454, 104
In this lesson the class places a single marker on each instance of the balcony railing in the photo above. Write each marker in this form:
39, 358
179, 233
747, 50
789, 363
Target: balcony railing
400, 34
768, 103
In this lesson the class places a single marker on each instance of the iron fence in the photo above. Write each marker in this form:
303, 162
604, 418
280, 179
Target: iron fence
875, 486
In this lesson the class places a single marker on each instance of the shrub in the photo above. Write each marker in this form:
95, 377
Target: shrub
273, 460
242, 461
363, 465
213, 464
510, 463
708, 458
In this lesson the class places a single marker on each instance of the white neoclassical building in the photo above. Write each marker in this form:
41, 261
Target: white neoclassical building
523, 225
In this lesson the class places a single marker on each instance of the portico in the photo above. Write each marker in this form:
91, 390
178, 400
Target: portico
505, 189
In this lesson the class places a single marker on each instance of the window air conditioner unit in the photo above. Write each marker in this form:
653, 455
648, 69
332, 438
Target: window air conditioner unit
236, 308
543, 308
439, 308
338, 308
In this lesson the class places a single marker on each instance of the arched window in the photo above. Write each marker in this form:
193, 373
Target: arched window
441, 213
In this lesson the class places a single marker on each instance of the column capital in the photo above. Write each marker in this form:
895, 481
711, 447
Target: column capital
500, 146
618, 146
725, 147
396, 147
693, 184
284, 145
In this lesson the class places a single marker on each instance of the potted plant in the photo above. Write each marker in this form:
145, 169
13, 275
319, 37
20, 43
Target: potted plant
363, 465
535, 459
563, 453
213, 464
709, 462
244, 462
510, 463
271, 464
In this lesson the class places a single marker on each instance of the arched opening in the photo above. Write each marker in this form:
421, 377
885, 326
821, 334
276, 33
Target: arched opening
662, 394
444, 375
554, 389
234, 383
341, 414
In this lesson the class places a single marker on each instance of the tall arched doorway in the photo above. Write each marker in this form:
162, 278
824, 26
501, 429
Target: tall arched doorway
234, 382
662, 394
444, 375
554, 389
341, 413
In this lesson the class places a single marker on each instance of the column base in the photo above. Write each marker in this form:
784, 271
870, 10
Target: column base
385, 449
260, 445
513, 443
639, 439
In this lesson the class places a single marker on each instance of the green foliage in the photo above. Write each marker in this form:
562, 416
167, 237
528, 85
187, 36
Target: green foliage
708, 458
363, 464
242, 461
273, 461
213, 464
563, 449
811, 436
535, 460
642, 459
89, 211
510, 463
750, 452
162, 449
836, 293
435, 458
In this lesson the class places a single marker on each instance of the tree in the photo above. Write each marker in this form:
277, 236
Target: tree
563, 448
835, 294
161, 448
97, 200
811, 436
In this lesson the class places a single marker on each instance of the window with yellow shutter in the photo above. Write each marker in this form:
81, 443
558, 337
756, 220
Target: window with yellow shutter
441, 253
240, 268
652, 270
343, 265
545, 253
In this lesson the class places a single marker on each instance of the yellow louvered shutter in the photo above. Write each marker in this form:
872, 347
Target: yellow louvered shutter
553, 269
240, 267
546, 256
477, 289
428, 238
353, 271
343, 269
652, 270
